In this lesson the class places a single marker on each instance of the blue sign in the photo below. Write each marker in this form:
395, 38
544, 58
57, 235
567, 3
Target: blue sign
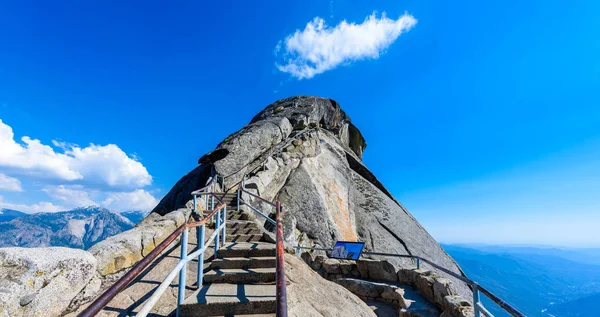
347, 250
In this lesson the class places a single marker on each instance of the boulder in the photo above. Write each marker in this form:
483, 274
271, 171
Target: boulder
363, 289
456, 306
346, 267
42, 281
377, 270
317, 263
310, 295
124, 250
424, 284
442, 287
332, 266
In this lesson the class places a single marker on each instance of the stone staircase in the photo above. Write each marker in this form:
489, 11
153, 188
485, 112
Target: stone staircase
240, 280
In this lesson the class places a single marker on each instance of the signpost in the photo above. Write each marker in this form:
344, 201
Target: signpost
347, 250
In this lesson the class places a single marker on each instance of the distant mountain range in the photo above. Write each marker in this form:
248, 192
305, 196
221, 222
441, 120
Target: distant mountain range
9, 214
77, 228
539, 281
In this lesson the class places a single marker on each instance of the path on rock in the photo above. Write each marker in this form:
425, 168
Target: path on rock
240, 281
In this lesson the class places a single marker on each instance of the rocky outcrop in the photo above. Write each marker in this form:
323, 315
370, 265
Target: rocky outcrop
376, 279
403, 297
180, 195
42, 281
306, 153
309, 295
120, 252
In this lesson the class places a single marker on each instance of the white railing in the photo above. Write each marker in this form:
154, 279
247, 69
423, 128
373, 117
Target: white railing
218, 236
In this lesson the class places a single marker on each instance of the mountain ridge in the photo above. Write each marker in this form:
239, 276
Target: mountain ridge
542, 284
10, 214
77, 228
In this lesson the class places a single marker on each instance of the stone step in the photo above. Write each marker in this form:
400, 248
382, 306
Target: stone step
231, 300
237, 216
239, 276
243, 263
241, 224
232, 215
247, 250
243, 237
250, 230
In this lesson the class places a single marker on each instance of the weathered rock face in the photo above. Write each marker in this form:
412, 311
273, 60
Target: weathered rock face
42, 281
309, 295
306, 153
122, 251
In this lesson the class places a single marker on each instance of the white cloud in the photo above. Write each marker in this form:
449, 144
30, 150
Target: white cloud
135, 200
106, 166
42, 206
71, 197
319, 47
10, 184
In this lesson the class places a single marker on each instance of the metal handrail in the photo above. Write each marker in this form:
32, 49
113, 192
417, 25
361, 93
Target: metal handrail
280, 267
122, 283
280, 286
219, 237
476, 287
181, 265
256, 196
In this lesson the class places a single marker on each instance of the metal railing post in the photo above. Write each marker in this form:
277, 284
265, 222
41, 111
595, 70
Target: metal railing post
224, 225
182, 273
238, 198
476, 302
195, 202
217, 239
200, 231
212, 204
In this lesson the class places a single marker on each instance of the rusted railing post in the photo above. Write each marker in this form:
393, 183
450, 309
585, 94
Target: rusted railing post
280, 266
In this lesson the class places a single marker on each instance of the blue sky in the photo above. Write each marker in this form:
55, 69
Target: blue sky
482, 118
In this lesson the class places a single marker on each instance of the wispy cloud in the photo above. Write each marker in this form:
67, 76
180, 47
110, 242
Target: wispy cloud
70, 196
10, 184
319, 47
42, 206
135, 200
